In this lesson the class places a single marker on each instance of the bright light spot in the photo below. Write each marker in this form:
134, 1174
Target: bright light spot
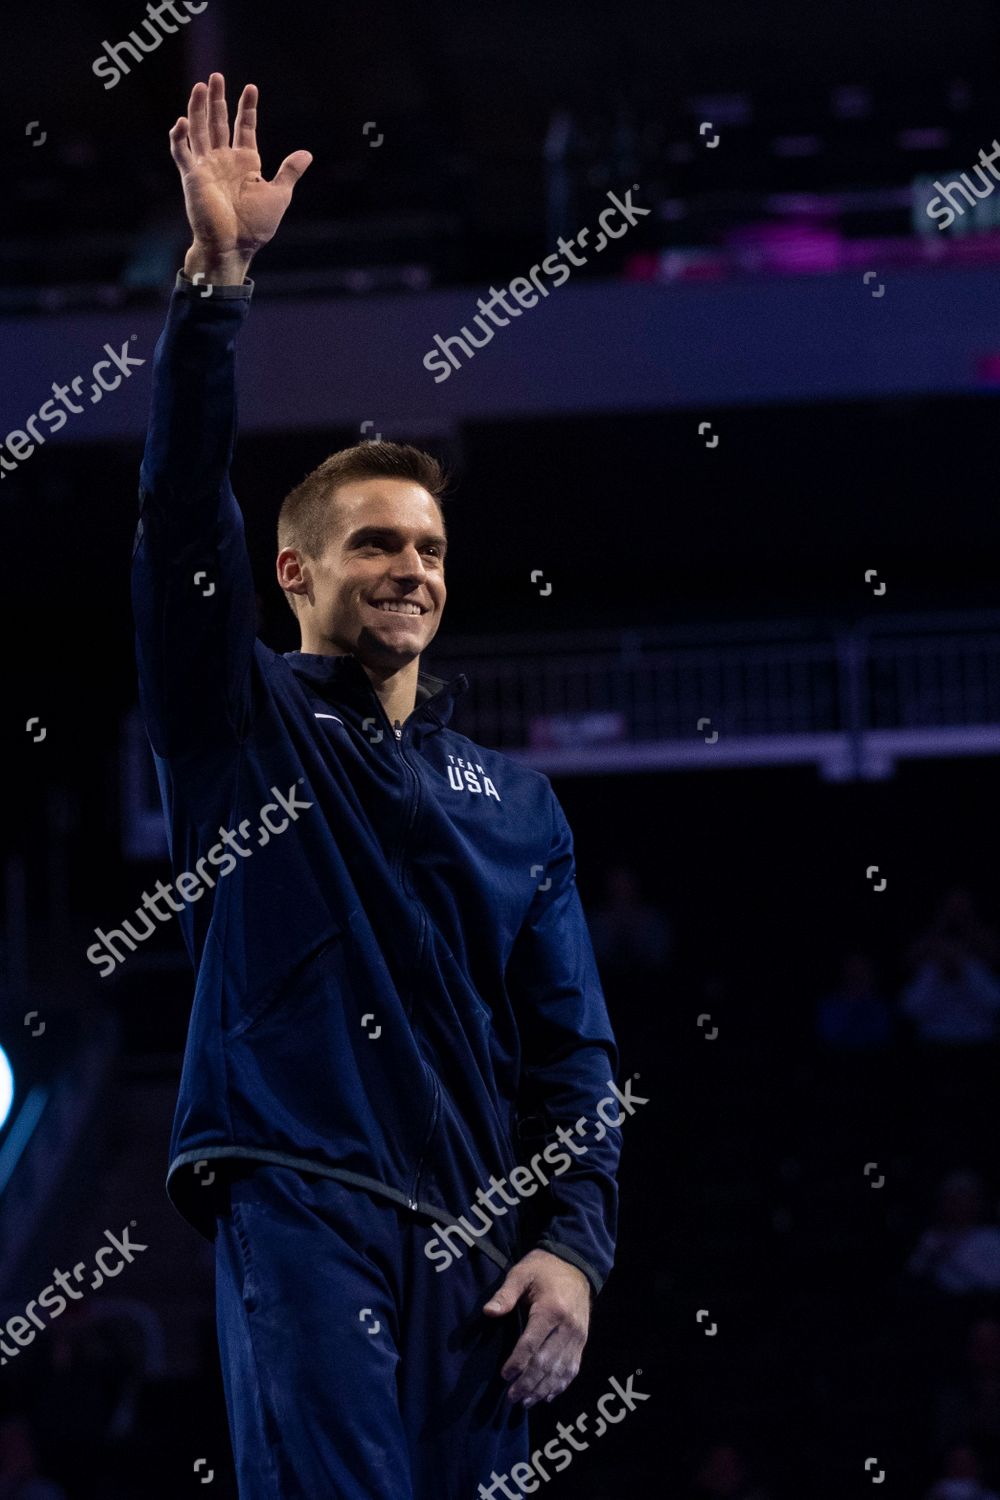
6, 1087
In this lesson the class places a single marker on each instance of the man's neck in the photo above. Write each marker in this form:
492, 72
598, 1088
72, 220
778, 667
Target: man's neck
397, 692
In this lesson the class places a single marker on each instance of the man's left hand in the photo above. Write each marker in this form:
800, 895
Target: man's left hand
547, 1355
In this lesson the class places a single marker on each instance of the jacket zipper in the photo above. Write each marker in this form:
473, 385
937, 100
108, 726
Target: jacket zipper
413, 1196
414, 802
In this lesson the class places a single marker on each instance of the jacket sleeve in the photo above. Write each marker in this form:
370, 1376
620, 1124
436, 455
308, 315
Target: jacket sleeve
569, 1058
193, 597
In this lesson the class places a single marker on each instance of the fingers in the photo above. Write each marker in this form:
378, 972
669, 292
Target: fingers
549, 1373
291, 169
545, 1358
207, 128
180, 145
218, 112
245, 134
198, 119
522, 1368
563, 1369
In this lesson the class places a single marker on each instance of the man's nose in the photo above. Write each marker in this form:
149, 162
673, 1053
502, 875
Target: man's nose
408, 564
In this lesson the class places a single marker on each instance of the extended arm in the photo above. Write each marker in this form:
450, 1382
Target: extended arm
192, 590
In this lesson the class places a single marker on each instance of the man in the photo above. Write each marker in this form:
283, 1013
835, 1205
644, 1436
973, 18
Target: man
394, 977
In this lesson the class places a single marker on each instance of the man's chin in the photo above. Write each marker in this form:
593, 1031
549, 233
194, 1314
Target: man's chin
398, 649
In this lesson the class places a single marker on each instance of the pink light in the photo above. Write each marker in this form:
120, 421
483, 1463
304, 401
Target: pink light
988, 369
790, 247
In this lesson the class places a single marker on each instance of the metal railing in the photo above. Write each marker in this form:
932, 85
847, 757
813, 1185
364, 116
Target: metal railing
851, 697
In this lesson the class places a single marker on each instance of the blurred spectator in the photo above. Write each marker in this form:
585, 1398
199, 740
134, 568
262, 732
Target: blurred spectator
956, 920
19, 1476
855, 1017
962, 1479
953, 997
632, 939
960, 1254
967, 1408
725, 1474
90, 1403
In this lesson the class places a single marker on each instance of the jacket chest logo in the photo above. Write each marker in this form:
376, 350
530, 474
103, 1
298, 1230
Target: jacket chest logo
464, 776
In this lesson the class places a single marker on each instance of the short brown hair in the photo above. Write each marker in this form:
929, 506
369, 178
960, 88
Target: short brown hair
304, 517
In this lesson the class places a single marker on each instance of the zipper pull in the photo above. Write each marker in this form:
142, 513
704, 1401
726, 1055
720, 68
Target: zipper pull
397, 731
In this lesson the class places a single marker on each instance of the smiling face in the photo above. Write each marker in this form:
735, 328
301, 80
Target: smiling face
377, 589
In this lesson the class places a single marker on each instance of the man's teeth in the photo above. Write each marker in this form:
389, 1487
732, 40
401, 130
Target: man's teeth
401, 607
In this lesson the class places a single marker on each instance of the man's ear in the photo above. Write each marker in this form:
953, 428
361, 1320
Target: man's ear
292, 575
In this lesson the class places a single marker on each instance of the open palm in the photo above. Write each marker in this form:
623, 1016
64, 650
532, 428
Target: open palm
229, 205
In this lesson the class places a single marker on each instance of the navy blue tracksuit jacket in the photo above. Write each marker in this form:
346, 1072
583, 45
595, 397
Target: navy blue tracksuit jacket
393, 967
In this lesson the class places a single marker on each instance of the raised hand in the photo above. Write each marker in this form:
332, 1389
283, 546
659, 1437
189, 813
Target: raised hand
232, 210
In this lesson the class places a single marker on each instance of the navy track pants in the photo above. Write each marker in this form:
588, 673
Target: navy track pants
353, 1369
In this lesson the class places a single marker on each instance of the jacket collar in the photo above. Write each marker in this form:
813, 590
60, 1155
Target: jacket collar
344, 678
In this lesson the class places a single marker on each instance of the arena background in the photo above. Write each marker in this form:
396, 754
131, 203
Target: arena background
760, 660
